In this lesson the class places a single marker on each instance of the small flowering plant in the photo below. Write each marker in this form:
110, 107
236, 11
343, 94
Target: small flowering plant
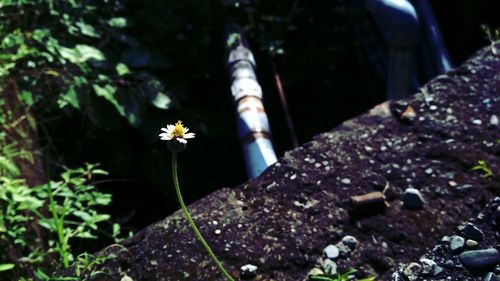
176, 137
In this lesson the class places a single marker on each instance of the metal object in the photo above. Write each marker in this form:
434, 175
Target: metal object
399, 23
253, 125
284, 105
440, 61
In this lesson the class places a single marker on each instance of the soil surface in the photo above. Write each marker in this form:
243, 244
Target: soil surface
469, 253
282, 221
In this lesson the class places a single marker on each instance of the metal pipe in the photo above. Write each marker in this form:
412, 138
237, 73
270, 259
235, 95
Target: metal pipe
284, 105
399, 23
253, 125
433, 38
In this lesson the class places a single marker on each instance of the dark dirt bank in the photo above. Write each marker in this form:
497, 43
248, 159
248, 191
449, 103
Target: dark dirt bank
282, 221
469, 253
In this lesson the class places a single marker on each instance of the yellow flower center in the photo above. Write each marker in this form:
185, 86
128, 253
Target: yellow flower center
178, 131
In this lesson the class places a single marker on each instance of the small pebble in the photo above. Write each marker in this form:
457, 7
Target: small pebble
494, 120
126, 278
430, 267
248, 271
456, 244
331, 252
412, 271
471, 243
329, 267
350, 241
315, 271
412, 199
477, 122
345, 181
409, 114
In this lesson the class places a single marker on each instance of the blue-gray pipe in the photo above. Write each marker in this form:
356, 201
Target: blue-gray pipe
433, 38
399, 23
253, 125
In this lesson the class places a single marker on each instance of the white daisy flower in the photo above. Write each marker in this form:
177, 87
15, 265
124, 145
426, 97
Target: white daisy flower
177, 133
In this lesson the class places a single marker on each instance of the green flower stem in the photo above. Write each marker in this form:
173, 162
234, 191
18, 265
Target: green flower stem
190, 220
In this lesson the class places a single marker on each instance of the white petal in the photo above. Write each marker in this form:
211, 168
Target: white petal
170, 127
186, 130
189, 135
181, 140
164, 130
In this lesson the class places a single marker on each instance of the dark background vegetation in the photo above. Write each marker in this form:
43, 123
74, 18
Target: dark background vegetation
320, 67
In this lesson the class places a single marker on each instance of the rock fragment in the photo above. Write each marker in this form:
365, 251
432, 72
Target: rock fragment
412, 271
126, 278
329, 267
470, 231
494, 121
350, 241
409, 114
480, 259
248, 271
412, 199
430, 267
331, 252
456, 244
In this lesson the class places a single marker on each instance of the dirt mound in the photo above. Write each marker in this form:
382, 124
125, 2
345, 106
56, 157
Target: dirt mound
413, 158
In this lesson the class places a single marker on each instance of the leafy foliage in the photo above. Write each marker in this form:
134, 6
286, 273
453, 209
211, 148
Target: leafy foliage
67, 208
73, 59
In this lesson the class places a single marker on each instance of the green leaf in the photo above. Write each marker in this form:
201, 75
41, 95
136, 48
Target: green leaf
70, 98
85, 235
161, 100
103, 200
83, 215
99, 172
81, 53
100, 218
321, 277
6, 266
122, 69
108, 92
48, 224
118, 22
26, 97
87, 29
41, 275
9, 167
116, 230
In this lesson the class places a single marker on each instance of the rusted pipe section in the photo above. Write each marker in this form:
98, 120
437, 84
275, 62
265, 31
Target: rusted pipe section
433, 39
284, 105
253, 125
399, 23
